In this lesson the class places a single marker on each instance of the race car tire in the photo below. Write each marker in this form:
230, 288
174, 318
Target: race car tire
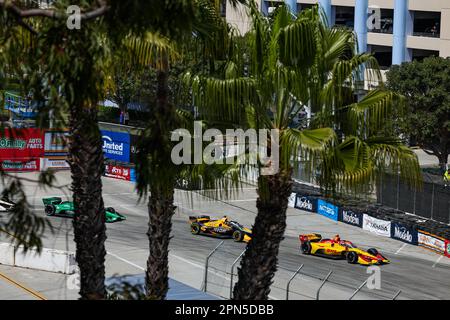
373, 251
195, 228
111, 209
352, 257
306, 248
238, 236
50, 209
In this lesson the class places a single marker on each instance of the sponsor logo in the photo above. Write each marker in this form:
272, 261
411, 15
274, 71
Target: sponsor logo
304, 203
403, 234
376, 226
327, 209
6, 143
112, 147
17, 165
350, 217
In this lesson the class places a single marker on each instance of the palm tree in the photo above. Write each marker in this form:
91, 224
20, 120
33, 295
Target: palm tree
297, 62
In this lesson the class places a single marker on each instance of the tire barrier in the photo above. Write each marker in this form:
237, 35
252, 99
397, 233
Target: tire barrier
377, 219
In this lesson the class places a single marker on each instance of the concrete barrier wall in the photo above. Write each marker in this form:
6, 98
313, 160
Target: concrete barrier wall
50, 260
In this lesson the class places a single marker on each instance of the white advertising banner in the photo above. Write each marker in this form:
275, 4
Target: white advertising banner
431, 241
54, 164
378, 226
291, 203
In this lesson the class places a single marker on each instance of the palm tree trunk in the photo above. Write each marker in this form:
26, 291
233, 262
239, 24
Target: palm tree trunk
161, 210
86, 164
259, 262
160, 206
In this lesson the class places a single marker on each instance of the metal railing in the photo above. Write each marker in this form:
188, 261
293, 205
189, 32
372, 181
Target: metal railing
205, 276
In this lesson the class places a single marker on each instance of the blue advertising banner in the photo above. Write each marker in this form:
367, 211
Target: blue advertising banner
328, 210
116, 145
404, 233
306, 203
350, 217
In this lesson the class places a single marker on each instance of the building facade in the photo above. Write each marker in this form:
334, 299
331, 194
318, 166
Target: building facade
395, 31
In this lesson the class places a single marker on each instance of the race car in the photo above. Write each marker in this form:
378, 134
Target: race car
56, 207
341, 249
221, 228
6, 205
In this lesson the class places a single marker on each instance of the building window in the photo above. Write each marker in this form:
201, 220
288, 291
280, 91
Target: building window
427, 24
345, 17
386, 22
304, 6
419, 55
383, 54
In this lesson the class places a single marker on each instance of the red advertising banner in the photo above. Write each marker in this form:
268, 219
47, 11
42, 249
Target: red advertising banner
21, 144
20, 165
117, 172
447, 248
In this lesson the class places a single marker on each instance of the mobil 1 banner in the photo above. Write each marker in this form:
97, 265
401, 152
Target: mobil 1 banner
306, 203
351, 217
404, 233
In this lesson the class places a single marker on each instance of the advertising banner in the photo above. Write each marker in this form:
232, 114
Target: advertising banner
291, 201
447, 248
306, 203
20, 165
118, 172
350, 217
431, 241
21, 144
116, 145
56, 143
58, 164
378, 226
404, 233
328, 210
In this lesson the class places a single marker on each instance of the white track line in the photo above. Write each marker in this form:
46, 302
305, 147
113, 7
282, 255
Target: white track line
126, 261
400, 249
437, 261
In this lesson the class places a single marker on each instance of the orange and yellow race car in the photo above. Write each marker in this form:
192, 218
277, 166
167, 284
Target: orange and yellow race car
221, 228
339, 249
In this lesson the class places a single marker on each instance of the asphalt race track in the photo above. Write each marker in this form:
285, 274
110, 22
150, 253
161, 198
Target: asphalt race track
417, 272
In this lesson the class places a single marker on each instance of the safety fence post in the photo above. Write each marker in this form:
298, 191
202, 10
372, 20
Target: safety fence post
322, 284
290, 280
397, 294
232, 273
205, 277
432, 201
357, 290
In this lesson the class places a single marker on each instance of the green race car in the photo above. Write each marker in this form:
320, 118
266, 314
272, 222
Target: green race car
56, 207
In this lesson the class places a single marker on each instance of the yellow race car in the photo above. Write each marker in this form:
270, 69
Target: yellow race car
221, 228
339, 249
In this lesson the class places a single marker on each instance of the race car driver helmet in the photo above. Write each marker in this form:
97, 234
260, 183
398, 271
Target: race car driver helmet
337, 238
225, 219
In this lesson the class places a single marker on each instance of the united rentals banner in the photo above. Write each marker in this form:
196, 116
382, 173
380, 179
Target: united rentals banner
306, 203
431, 241
23, 144
116, 145
377, 226
404, 233
350, 217
328, 210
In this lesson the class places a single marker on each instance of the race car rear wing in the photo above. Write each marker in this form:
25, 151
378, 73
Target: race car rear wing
313, 237
199, 218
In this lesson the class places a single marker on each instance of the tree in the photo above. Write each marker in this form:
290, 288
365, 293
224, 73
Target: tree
297, 62
426, 87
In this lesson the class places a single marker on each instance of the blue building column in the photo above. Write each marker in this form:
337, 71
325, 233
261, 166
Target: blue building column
325, 5
361, 16
400, 18
292, 4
